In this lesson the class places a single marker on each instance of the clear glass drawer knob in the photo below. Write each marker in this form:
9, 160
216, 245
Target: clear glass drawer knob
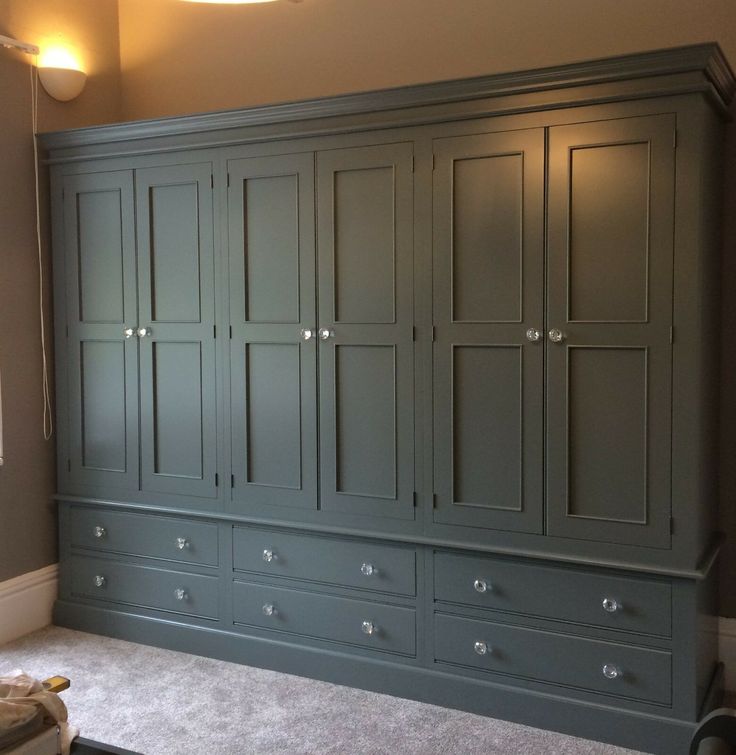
368, 570
269, 555
307, 334
611, 605
481, 648
612, 672
269, 609
325, 333
129, 332
534, 335
369, 628
180, 593
99, 532
100, 581
182, 543
144, 332
481, 586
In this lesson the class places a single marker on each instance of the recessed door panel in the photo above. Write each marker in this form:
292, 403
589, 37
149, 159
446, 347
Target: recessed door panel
607, 427
609, 232
488, 437
273, 450
364, 244
177, 409
273, 392
102, 367
271, 248
366, 420
100, 256
610, 300
488, 289
177, 330
366, 353
487, 198
174, 250
100, 270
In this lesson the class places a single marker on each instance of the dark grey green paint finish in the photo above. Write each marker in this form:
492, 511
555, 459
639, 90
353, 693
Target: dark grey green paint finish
145, 535
99, 242
310, 201
177, 303
365, 253
326, 617
328, 560
133, 585
488, 246
273, 395
569, 595
557, 658
610, 257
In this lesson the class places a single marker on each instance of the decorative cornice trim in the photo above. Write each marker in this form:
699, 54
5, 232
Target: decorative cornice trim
705, 59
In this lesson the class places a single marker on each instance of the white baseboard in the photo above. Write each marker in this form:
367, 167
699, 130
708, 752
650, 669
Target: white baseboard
26, 602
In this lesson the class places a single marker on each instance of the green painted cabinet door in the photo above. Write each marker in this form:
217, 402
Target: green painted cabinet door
274, 343
488, 353
366, 349
100, 271
176, 329
611, 191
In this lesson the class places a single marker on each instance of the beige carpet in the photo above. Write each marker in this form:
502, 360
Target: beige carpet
159, 702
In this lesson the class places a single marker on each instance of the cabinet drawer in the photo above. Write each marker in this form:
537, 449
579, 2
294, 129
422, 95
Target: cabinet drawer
350, 563
192, 594
635, 605
145, 535
356, 622
632, 672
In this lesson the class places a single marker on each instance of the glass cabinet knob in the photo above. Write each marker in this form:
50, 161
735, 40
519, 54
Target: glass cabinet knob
269, 609
534, 335
480, 647
269, 555
611, 605
100, 581
143, 332
307, 334
129, 332
369, 628
180, 593
480, 585
612, 672
556, 335
368, 570
99, 532
182, 543
325, 333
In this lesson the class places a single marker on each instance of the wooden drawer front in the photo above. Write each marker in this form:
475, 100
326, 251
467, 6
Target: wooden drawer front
641, 605
350, 563
644, 673
192, 594
145, 535
326, 617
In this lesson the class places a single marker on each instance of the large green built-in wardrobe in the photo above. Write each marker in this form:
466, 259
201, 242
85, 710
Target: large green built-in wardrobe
411, 390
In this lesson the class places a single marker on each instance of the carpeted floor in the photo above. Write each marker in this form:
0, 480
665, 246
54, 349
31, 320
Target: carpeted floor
159, 702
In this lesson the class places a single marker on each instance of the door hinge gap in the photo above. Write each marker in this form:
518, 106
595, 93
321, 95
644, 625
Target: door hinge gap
434, 161
434, 334
413, 332
212, 180
217, 480
672, 334
214, 331
434, 500
414, 499
232, 480
672, 525
231, 331
228, 180
674, 139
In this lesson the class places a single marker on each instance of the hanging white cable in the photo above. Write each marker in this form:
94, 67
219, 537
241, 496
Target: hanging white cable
48, 422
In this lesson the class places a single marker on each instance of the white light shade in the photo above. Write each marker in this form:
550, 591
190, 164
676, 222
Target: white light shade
62, 84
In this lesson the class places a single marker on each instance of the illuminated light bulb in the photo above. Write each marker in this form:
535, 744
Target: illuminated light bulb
59, 57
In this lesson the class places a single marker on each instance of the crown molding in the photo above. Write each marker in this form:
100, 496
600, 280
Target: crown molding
680, 70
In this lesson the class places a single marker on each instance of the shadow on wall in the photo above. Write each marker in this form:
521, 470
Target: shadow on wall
728, 379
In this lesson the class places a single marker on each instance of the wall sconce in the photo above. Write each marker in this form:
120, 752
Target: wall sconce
61, 74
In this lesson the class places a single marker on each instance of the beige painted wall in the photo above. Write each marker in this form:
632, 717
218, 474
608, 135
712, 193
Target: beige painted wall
27, 481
